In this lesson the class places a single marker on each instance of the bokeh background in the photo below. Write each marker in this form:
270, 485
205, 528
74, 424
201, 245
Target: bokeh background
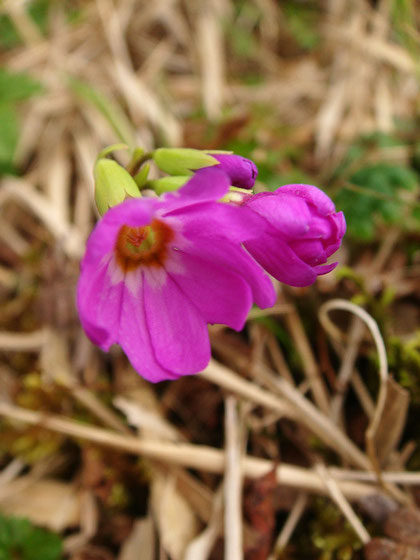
320, 92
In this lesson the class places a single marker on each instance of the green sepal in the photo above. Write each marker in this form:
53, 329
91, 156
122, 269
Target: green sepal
182, 161
168, 184
141, 177
109, 149
112, 184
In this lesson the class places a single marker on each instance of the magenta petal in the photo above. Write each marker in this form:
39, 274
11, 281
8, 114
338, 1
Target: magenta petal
99, 305
235, 259
277, 258
177, 330
287, 214
208, 183
234, 223
221, 295
341, 224
321, 227
311, 251
134, 337
311, 194
324, 269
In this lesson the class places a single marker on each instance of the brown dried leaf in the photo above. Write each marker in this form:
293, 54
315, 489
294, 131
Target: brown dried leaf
384, 549
404, 526
260, 512
385, 431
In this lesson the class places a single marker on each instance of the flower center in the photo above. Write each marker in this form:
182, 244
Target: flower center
147, 245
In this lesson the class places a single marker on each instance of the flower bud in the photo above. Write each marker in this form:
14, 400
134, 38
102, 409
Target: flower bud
302, 231
241, 171
182, 161
113, 184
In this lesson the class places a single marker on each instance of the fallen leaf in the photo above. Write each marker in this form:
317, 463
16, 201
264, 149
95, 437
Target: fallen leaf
201, 547
146, 419
260, 512
47, 502
384, 549
404, 526
378, 506
384, 432
175, 519
141, 542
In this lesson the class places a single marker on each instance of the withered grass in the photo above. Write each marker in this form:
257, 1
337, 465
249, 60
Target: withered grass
137, 71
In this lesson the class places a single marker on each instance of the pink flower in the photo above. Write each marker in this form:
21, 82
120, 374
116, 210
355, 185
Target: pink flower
157, 270
303, 231
241, 171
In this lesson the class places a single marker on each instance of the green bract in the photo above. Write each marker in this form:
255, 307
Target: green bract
112, 184
182, 161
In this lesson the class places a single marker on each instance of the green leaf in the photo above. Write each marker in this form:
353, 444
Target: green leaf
38, 12
112, 112
20, 539
375, 195
17, 86
9, 134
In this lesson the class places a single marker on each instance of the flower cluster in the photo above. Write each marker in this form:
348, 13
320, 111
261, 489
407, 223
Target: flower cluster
157, 270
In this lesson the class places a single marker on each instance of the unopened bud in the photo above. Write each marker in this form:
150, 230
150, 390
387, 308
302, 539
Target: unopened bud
182, 161
113, 184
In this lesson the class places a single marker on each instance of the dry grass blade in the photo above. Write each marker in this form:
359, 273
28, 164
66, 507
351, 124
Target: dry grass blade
194, 456
379, 440
19, 342
291, 522
233, 482
276, 83
310, 366
26, 194
294, 406
201, 547
346, 369
343, 504
211, 52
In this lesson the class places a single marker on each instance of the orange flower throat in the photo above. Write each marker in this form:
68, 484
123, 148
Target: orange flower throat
147, 245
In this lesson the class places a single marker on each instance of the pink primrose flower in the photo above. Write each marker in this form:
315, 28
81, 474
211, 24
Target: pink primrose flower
303, 231
157, 270
241, 171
